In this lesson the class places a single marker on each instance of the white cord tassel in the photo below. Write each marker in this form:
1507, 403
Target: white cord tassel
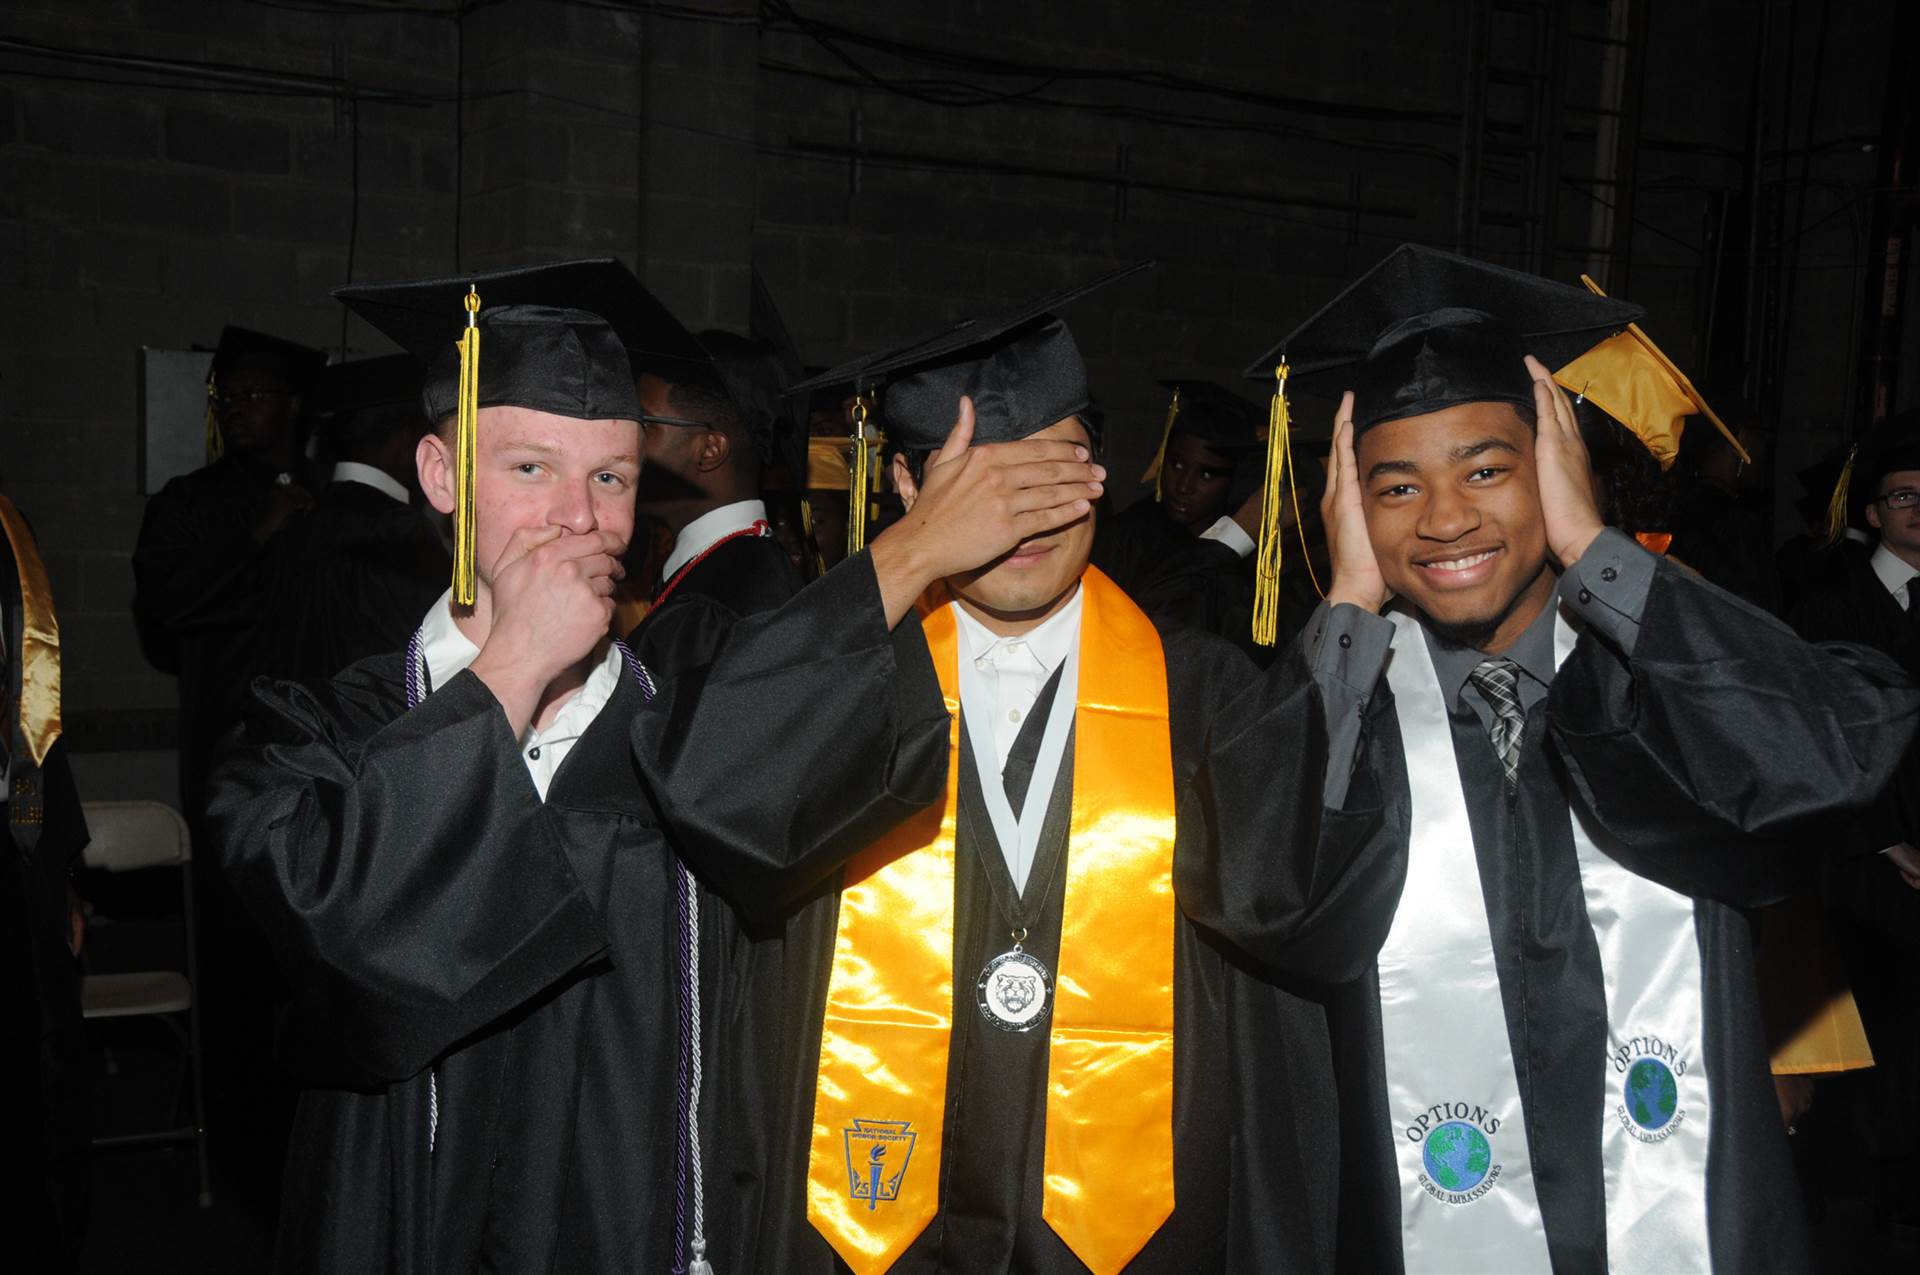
433, 1108
697, 1241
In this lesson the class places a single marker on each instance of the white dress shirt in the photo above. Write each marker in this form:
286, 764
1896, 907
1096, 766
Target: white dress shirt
1014, 670
352, 471
1896, 573
709, 529
1229, 533
448, 651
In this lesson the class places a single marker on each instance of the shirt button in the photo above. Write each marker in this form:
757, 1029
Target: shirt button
1346, 640
1609, 574
534, 752
1585, 597
1013, 714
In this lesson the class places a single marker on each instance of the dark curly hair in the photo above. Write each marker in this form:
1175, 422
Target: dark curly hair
1637, 495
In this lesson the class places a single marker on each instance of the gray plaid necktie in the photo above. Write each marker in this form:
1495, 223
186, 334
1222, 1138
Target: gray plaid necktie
1499, 682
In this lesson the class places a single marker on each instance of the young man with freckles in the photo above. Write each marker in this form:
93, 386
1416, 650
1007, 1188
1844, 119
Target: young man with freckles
1557, 1059
461, 849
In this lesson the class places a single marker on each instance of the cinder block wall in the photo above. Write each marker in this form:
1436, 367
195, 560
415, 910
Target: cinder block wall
696, 139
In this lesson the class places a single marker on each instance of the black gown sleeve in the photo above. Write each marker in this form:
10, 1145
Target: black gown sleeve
813, 731
1295, 884
1724, 731
684, 635
401, 863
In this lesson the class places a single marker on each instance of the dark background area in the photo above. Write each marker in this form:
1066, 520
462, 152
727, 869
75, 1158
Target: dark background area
167, 166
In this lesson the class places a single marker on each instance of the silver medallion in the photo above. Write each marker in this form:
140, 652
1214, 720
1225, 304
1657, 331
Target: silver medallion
1014, 992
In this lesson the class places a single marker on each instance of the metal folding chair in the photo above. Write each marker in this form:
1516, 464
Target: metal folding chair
129, 835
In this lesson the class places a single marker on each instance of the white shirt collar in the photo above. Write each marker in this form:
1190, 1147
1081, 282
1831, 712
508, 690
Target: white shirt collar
352, 471
1894, 571
448, 652
708, 529
1049, 641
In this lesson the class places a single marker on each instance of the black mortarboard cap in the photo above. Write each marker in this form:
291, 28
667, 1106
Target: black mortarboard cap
1894, 447
564, 338
352, 399
1216, 415
243, 349
1021, 368
1209, 412
1426, 330
541, 337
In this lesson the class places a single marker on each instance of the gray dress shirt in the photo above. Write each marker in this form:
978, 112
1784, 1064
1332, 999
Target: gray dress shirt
1347, 646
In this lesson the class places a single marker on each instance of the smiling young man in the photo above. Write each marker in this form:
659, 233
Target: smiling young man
1028, 1029
1557, 1061
460, 849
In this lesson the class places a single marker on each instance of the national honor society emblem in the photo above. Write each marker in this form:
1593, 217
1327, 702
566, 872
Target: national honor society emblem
877, 1156
1650, 1071
1456, 1151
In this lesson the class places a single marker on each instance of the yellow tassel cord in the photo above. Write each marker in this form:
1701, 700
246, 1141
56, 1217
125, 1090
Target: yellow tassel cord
806, 530
1268, 554
1153, 474
1837, 503
859, 480
216, 446
465, 444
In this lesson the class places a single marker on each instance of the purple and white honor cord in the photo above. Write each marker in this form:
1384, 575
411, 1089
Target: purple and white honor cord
415, 677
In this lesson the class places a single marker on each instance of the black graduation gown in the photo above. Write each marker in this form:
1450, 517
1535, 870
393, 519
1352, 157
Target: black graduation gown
1128, 544
1877, 917
1264, 884
742, 982
436, 918
1207, 586
349, 579
196, 601
1708, 759
44, 1062
741, 577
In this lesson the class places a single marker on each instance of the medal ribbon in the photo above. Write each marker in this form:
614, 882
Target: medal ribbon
880, 1096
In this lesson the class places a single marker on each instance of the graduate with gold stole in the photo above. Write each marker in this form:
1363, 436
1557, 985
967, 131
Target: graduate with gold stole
1033, 1029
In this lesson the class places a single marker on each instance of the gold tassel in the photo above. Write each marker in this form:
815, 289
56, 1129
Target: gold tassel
1837, 503
1153, 474
466, 443
806, 530
216, 446
1268, 553
859, 480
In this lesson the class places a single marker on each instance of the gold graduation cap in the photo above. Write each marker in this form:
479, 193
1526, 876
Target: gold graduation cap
1632, 380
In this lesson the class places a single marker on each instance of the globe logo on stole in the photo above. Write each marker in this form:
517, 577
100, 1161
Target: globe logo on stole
1651, 1094
877, 1156
1457, 1156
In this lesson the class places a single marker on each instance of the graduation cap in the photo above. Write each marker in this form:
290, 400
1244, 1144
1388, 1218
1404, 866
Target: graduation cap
551, 346
352, 399
1422, 331
1021, 368
1632, 380
244, 350
1211, 413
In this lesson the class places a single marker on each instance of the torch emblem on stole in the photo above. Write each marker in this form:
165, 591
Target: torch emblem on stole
877, 1156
